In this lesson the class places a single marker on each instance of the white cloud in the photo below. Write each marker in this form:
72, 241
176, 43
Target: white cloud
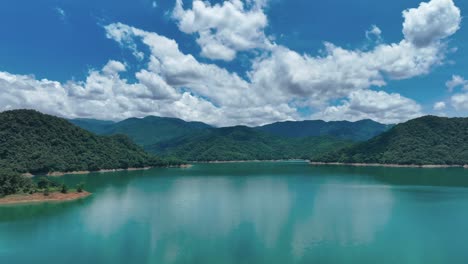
376, 105
338, 71
456, 81
224, 29
279, 82
460, 101
154, 4
431, 22
374, 34
439, 106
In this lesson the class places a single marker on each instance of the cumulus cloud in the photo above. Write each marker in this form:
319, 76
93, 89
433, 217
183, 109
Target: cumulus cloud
339, 72
224, 29
103, 95
376, 105
456, 81
460, 101
279, 83
431, 22
439, 106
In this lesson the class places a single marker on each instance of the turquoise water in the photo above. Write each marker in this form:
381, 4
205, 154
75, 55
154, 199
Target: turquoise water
271, 213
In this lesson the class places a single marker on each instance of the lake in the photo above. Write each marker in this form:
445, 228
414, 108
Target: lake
285, 212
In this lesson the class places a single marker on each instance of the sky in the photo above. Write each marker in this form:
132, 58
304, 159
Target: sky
235, 62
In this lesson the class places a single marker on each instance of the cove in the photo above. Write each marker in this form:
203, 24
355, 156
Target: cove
278, 212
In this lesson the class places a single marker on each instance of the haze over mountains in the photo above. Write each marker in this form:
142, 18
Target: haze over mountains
195, 141
357, 131
152, 130
143, 131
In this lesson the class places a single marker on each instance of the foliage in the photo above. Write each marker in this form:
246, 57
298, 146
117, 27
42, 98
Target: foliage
64, 188
12, 183
45, 182
38, 143
356, 131
422, 141
80, 187
243, 143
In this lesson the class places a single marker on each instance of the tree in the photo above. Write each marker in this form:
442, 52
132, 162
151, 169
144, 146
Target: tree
80, 187
11, 183
64, 188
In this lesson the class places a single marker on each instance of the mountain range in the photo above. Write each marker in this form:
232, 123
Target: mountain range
38, 143
196, 141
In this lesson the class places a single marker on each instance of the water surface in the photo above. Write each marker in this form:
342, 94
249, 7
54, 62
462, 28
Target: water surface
271, 213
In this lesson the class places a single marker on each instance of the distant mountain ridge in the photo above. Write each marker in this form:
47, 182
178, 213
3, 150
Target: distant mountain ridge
152, 130
196, 141
429, 140
242, 143
357, 131
143, 131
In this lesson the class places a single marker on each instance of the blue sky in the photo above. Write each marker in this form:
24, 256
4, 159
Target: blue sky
262, 62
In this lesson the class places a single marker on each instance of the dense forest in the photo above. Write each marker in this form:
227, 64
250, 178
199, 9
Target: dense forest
356, 131
37, 143
422, 141
243, 143
196, 141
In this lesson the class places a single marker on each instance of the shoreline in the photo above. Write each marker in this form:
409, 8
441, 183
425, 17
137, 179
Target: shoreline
61, 173
246, 161
429, 166
41, 198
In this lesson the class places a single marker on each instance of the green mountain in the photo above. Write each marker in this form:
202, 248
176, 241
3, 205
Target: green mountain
38, 143
422, 141
243, 143
93, 125
143, 131
356, 131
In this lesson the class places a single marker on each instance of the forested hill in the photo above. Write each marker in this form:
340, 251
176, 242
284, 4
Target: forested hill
143, 131
244, 143
38, 143
357, 131
422, 141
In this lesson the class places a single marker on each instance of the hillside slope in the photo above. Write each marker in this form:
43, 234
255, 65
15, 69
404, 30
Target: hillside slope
243, 143
38, 143
423, 141
356, 131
